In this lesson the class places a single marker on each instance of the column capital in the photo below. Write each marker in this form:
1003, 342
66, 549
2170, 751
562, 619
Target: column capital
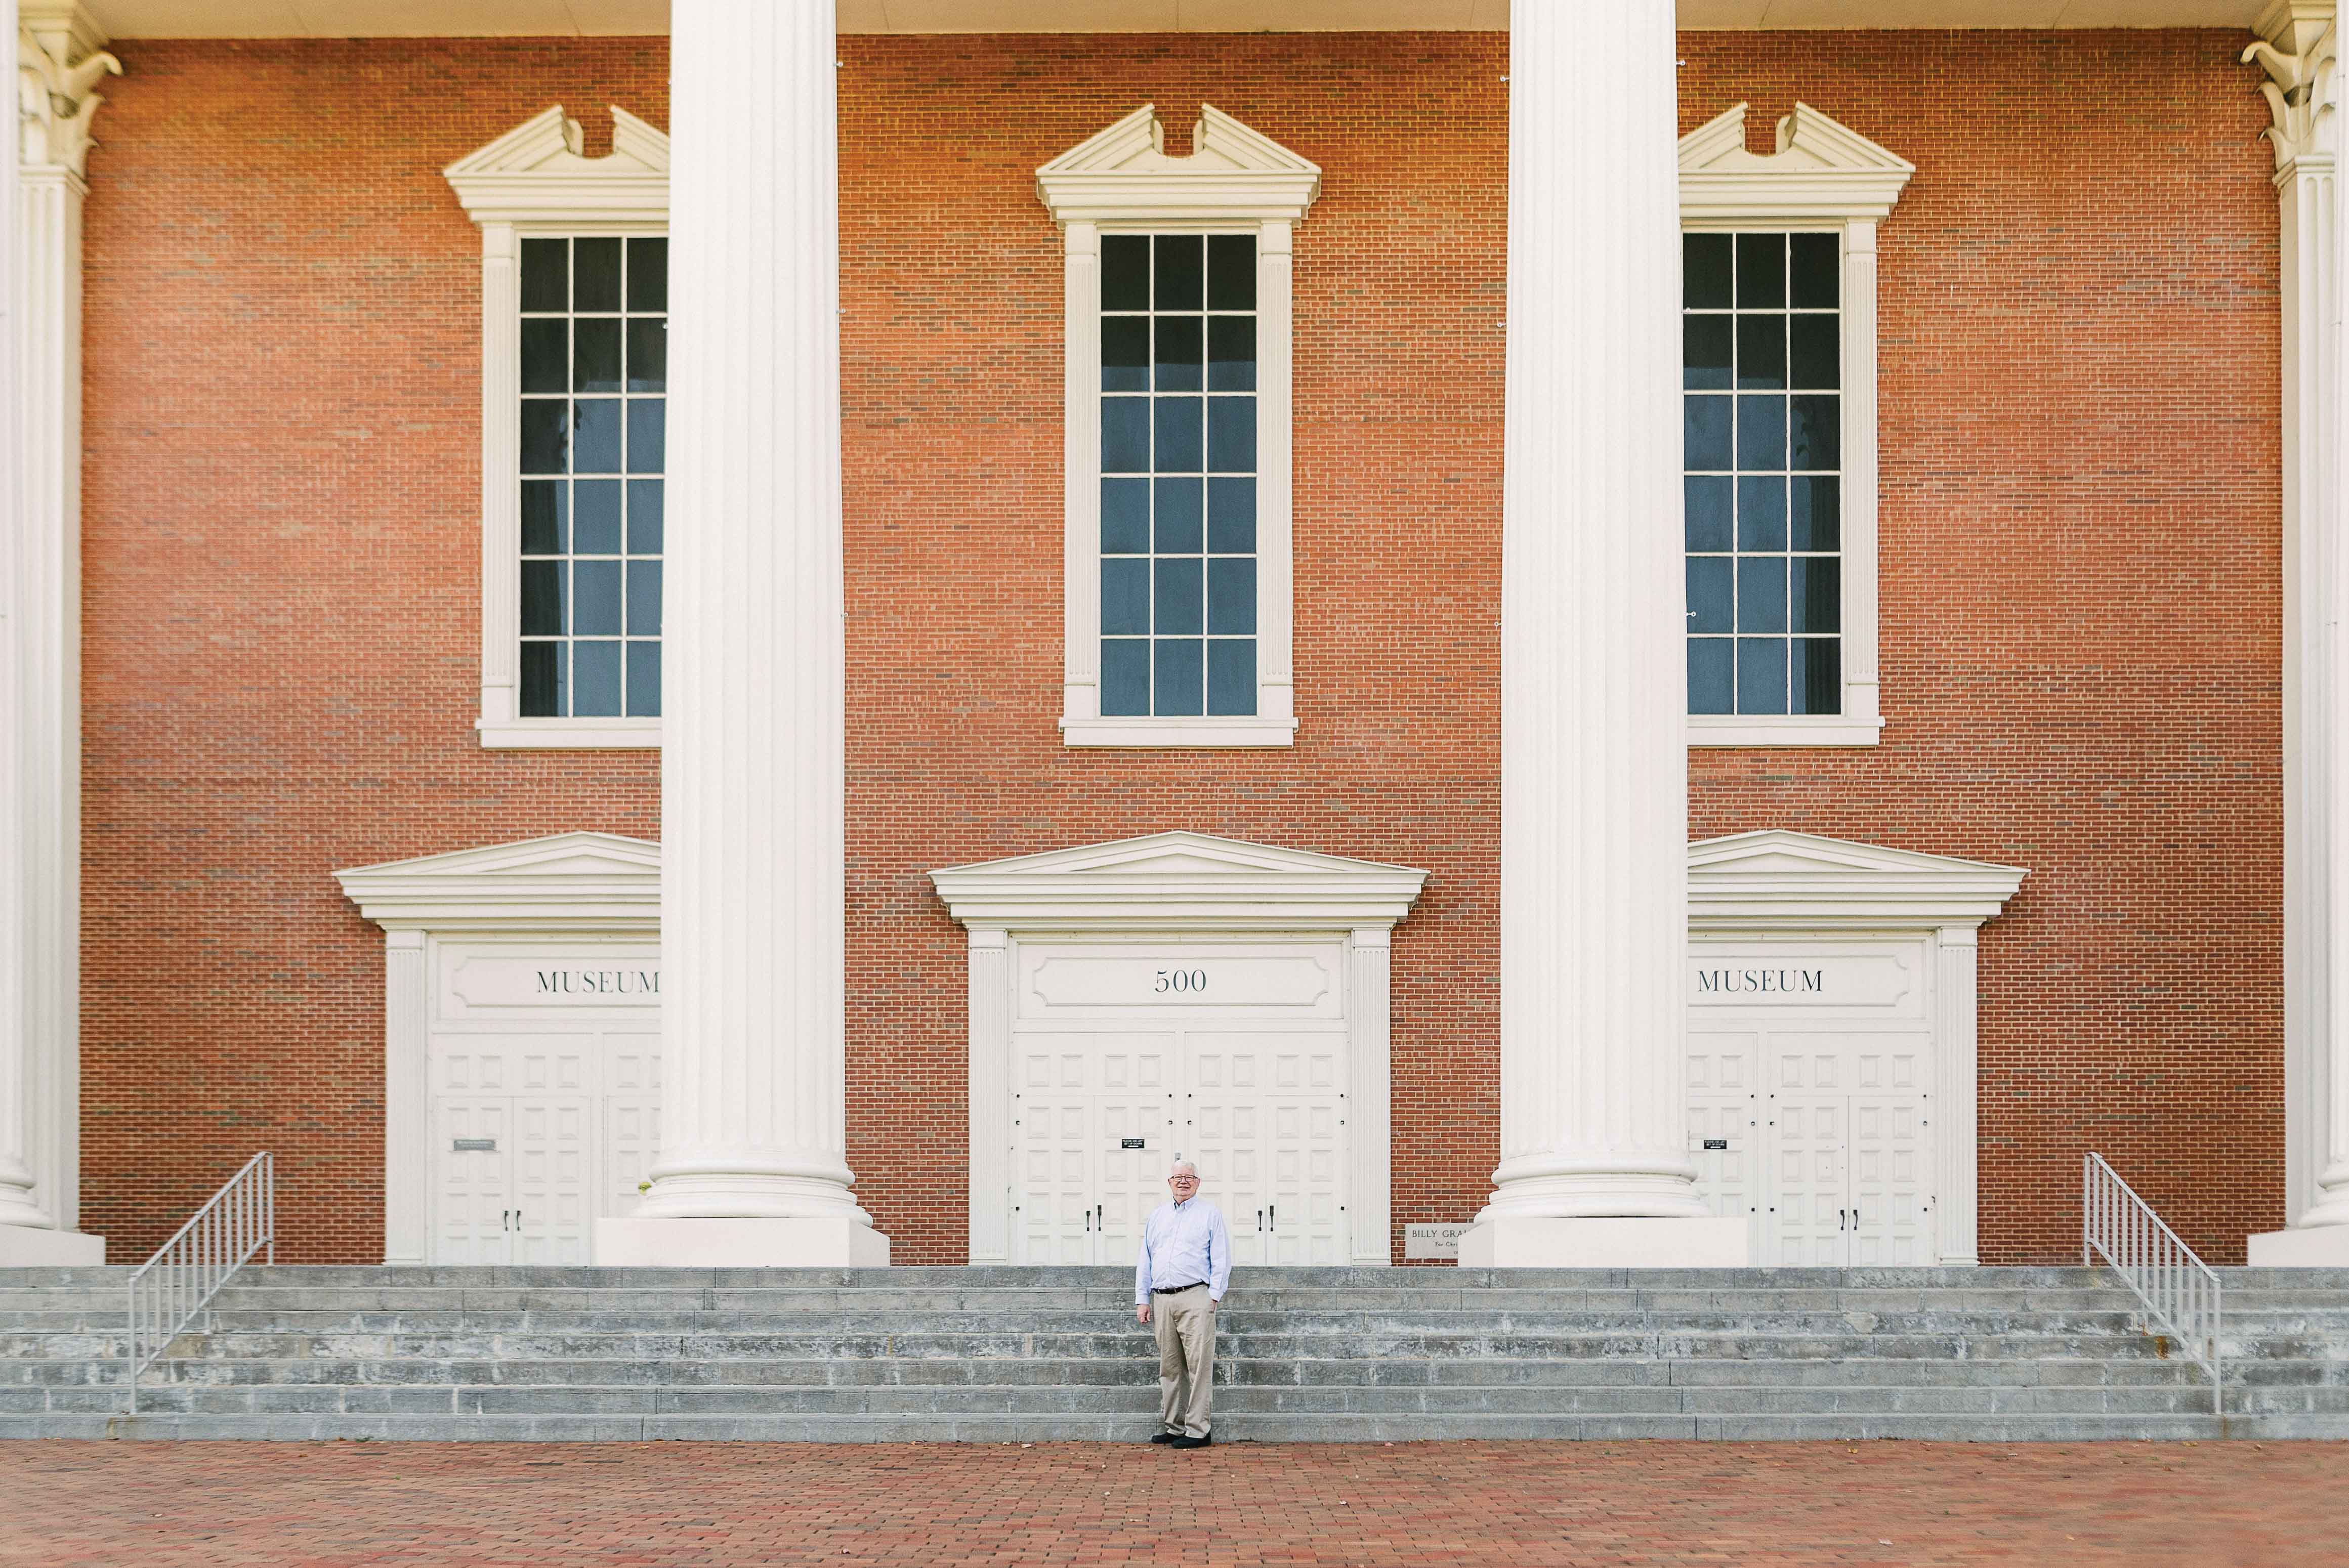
59, 57
2297, 50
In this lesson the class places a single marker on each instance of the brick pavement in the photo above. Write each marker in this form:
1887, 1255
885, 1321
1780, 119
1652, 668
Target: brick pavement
326, 1506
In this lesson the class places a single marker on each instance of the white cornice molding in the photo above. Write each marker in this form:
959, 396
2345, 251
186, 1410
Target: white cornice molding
1178, 882
1777, 880
59, 57
2298, 48
1820, 171
1233, 175
535, 173
566, 882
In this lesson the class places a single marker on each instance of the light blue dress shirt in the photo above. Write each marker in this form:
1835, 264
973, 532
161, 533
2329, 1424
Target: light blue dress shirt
1184, 1244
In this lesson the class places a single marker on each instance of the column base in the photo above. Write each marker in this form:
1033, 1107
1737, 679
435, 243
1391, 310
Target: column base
1532, 1242
25, 1247
2307, 1247
739, 1245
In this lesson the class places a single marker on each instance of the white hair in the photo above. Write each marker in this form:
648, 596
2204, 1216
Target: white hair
1191, 1166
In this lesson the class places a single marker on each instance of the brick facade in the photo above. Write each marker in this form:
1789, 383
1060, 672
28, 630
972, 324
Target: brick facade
2080, 575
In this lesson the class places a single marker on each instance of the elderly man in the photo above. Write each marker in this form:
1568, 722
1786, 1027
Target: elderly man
1186, 1266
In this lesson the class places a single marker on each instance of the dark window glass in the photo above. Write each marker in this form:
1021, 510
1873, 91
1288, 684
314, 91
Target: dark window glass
1231, 435
1707, 511
1231, 516
1704, 272
1125, 677
595, 680
1705, 433
1176, 435
1178, 517
1705, 352
545, 275
1817, 431
541, 599
596, 276
542, 682
1762, 512
1125, 435
1761, 593
645, 505
595, 599
1710, 668
545, 434
1709, 593
644, 598
1231, 596
1761, 675
648, 276
1231, 272
1231, 354
1814, 358
1176, 676
1231, 675
643, 680
543, 517
1814, 521
1818, 676
595, 355
1761, 431
1816, 591
1125, 517
1816, 264
1125, 271
596, 524
647, 434
595, 436
1179, 347
1760, 352
1176, 607
1178, 275
1125, 354
649, 355
545, 357
1761, 272
1124, 597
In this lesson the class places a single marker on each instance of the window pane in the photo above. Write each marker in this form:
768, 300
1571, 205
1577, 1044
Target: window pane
545, 434
1816, 591
1815, 358
1125, 435
648, 275
595, 680
1704, 352
1761, 593
1761, 272
1817, 262
1816, 522
643, 680
595, 598
1231, 596
1125, 517
1231, 676
1179, 349
543, 517
1231, 516
1708, 593
595, 355
1818, 431
1705, 510
542, 684
1231, 354
541, 599
1231, 272
1124, 597
1125, 273
1180, 271
1761, 675
1125, 354
1231, 435
647, 434
1175, 686
1704, 437
1125, 677
1760, 352
1177, 605
596, 523
1709, 666
1761, 432
1704, 272
1176, 433
545, 275
644, 598
545, 356
645, 504
595, 436
649, 355
1817, 681
1178, 517
595, 278
1762, 513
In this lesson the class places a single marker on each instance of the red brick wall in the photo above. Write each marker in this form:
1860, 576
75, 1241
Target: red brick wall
283, 541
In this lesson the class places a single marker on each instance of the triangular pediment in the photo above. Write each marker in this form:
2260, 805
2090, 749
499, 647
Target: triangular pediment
1125, 173
1180, 878
1777, 877
1819, 167
537, 172
564, 880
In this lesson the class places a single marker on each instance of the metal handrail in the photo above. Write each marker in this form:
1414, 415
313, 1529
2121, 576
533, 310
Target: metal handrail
2178, 1289
186, 1271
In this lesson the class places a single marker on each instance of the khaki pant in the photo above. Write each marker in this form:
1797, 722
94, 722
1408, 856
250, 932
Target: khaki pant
1184, 1323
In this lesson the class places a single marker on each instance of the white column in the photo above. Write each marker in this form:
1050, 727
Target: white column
1594, 770
753, 1168
1956, 1114
989, 991
2297, 50
57, 61
1369, 1095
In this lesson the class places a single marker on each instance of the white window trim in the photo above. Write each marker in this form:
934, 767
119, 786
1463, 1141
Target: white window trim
533, 182
1122, 182
1822, 177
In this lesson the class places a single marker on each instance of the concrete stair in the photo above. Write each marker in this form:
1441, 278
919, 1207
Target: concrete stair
1054, 1355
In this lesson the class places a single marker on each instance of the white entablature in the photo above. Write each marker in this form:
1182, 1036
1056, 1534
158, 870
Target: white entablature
536, 173
1781, 881
1178, 882
568, 881
1232, 175
1819, 170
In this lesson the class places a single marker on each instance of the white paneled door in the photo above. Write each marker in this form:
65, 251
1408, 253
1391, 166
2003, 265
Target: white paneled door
1127, 1058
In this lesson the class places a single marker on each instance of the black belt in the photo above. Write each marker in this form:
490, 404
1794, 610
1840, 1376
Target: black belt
1176, 1289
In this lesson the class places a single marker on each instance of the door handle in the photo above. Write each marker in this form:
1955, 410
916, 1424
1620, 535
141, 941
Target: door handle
1259, 1220
505, 1219
1089, 1221
1272, 1215
1839, 1216
1100, 1216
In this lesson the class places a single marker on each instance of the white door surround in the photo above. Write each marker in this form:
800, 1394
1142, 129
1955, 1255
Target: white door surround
454, 926
1169, 893
1868, 910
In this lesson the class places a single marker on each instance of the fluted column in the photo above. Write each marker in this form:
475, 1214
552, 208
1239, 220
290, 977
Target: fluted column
1594, 770
753, 1167
58, 59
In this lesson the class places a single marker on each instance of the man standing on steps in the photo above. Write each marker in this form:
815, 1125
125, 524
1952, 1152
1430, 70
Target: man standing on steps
1185, 1268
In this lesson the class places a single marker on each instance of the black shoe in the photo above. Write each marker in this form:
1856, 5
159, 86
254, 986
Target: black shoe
1165, 1437
1189, 1442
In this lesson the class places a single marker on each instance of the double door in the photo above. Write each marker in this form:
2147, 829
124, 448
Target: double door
514, 1189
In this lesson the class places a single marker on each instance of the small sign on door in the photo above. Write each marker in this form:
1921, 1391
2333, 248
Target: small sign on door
1134, 1143
1716, 1144
475, 1146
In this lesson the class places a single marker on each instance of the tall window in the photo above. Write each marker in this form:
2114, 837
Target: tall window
1178, 463
594, 350
1763, 426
